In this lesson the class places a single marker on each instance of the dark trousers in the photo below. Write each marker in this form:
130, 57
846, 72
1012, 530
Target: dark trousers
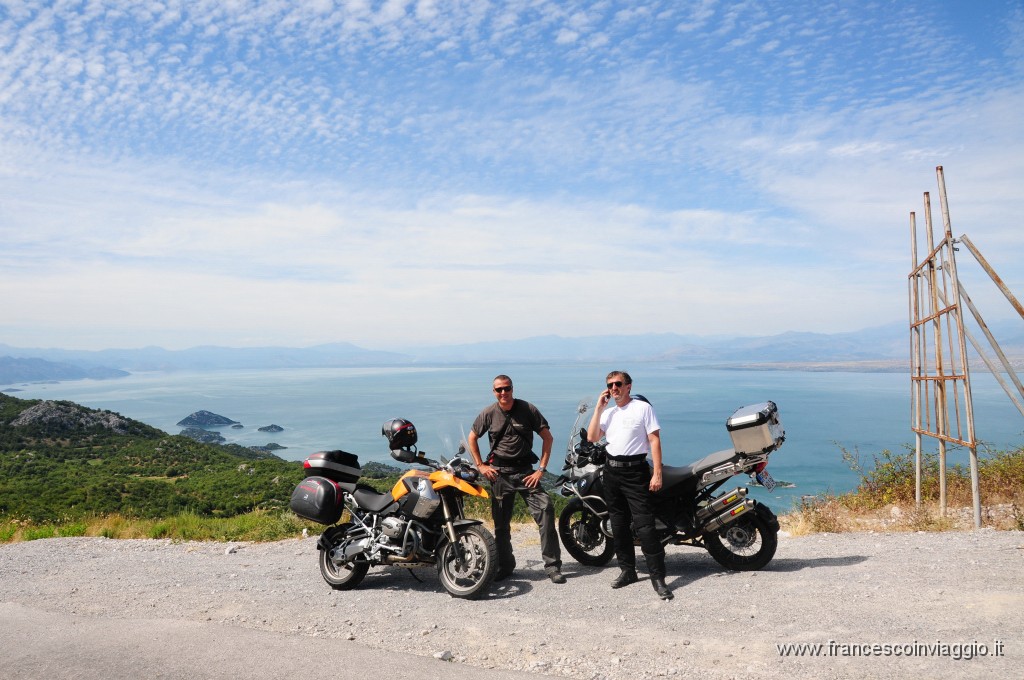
630, 508
503, 500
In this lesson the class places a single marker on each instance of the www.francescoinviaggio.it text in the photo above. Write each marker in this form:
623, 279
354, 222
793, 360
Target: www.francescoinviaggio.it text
955, 651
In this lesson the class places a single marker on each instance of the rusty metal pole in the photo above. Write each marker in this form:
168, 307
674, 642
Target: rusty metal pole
940, 382
998, 350
956, 304
992, 274
915, 358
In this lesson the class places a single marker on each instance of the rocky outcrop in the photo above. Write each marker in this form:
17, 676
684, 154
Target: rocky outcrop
64, 415
205, 419
271, 428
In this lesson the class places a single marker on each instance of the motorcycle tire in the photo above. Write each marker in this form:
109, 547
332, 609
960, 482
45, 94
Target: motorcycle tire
467, 566
340, 576
581, 534
748, 544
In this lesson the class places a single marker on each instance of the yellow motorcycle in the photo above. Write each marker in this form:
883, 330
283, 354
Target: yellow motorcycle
419, 523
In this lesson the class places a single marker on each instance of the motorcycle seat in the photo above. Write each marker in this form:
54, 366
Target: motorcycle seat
677, 475
370, 499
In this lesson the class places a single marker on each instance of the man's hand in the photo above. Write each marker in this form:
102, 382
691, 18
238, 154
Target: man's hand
533, 480
488, 471
655, 481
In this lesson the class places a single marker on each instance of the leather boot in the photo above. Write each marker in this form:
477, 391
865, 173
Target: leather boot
656, 568
625, 577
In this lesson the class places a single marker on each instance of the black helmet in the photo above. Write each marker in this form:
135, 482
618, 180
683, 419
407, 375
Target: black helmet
401, 433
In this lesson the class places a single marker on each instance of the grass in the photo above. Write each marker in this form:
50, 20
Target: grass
883, 500
253, 526
885, 497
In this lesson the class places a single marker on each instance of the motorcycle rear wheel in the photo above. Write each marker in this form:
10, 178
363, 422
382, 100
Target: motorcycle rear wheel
346, 575
580, 531
467, 566
748, 544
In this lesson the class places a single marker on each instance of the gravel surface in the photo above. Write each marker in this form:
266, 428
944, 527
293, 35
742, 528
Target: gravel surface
949, 593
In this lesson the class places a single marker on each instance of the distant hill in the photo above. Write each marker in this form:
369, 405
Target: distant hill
339, 354
33, 369
881, 346
61, 460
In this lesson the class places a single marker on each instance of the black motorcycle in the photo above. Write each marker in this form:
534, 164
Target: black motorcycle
740, 533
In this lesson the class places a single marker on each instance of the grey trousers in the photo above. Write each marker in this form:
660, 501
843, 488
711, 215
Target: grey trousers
503, 500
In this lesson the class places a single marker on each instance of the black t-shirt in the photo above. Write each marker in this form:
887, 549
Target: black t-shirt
515, 446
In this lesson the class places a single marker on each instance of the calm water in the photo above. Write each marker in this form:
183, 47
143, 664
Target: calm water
344, 408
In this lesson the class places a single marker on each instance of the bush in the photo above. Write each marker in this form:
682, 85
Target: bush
888, 483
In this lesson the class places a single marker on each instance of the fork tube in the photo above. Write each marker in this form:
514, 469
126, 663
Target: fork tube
448, 524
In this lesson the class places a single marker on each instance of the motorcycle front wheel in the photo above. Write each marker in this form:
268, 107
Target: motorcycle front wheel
466, 567
748, 544
340, 575
581, 534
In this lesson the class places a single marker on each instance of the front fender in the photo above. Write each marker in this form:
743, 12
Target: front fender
465, 522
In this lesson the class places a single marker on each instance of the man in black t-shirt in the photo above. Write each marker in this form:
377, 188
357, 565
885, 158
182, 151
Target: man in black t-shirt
509, 424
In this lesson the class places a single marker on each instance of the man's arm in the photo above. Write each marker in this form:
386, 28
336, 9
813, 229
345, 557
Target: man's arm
654, 439
545, 455
594, 432
474, 450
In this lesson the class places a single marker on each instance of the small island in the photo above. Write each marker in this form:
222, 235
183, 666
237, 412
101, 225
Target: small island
204, 419
271, 428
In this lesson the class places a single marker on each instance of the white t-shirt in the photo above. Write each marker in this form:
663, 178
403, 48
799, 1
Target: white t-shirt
626, 428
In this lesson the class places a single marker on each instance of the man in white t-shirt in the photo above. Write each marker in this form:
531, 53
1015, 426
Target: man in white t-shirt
632, 431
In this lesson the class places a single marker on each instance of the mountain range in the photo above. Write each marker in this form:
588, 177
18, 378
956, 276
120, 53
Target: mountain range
879, 348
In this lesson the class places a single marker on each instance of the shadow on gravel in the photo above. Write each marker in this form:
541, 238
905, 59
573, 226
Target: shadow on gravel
687, 568
818, 562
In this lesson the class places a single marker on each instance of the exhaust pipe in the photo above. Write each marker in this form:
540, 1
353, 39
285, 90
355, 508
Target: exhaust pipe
721, 503
729, 516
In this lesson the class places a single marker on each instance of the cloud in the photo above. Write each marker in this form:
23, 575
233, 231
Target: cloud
326, 160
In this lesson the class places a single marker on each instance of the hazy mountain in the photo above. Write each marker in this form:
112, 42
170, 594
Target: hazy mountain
210, 358
886, 347
28, 369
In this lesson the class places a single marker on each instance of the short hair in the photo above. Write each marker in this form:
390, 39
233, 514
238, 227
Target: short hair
502, 377
625, 377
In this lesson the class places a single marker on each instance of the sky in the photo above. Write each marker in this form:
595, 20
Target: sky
417, 172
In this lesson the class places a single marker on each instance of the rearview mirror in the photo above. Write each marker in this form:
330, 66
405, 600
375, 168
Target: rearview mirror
403, 455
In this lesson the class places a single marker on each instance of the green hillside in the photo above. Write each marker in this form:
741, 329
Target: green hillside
61, 461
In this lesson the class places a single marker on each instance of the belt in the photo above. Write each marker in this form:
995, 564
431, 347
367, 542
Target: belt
513, 469
627, 462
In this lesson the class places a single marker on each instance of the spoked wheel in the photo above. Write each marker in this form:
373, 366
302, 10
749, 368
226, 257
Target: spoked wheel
583, 536
748, 544
466, 567
340, 574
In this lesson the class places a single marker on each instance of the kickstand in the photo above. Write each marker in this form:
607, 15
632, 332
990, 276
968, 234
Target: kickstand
413, 574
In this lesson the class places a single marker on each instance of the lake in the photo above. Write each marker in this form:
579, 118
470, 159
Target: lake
344, 408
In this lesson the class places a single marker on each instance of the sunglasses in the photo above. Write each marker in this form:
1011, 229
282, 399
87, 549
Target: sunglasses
501, 390
615, 383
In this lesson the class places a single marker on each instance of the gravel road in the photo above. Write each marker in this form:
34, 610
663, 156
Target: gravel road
931, 597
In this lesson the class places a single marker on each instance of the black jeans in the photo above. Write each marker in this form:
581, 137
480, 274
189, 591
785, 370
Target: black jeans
503, 500
628, 495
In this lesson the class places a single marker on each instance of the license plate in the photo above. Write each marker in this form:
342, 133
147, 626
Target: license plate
765, 479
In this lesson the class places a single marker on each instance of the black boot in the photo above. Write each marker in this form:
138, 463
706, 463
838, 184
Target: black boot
625, 577
656, 567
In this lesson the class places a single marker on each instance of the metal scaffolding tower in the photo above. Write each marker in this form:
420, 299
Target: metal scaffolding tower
941, 404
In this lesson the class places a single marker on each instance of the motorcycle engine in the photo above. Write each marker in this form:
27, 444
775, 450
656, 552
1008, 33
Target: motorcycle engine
393, 527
